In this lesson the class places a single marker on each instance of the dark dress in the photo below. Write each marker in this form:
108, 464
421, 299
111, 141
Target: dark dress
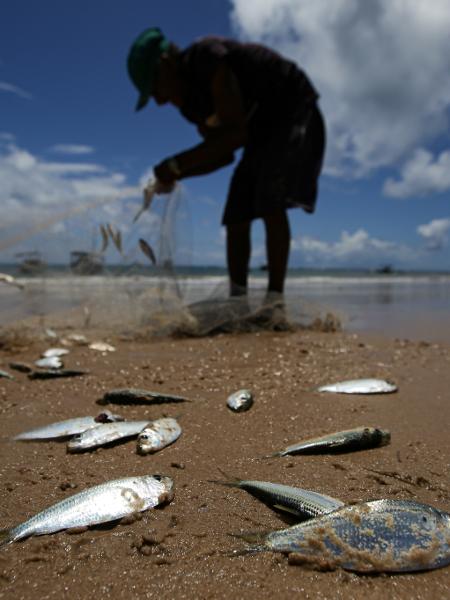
283, 156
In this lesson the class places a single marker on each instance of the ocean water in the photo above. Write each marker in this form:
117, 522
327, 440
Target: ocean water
405, 305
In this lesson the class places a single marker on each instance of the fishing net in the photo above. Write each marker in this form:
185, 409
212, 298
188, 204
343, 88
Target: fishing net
133, 278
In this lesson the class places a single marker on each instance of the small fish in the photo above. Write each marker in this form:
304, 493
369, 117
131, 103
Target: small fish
102, 347
369, 537
360, 438
157, 435
240, 401
68, 427
53, 374
105, 238
50, 362
137, 396
99, 504
21, 367
304, 504
104, 434
6, 375
149, 192
147, 250
55, 352
116, 237
360, 386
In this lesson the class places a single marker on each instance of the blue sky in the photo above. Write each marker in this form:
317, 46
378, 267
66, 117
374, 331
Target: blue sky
71, 141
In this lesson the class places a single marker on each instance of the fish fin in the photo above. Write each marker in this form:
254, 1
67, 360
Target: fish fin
5, 537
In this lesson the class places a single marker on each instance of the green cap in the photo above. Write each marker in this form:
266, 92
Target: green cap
143, 60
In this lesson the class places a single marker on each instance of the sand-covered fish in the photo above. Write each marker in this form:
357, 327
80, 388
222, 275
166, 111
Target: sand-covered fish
68, 427
105, 434
56, 373
21, 367
240, 401
377, 536
360, 438
138, 396
157, 435
360, 386
49, 362
99, 504
302, 503
147, 250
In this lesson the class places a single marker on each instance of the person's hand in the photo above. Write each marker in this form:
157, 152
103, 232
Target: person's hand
163, 188
165, 172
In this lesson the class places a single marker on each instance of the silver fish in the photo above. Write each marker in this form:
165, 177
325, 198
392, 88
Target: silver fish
99, 504
104, 434
149, 192
304, 504
6, 375
68, 427
157, 435
55, 352
137, 396
377, 536
116, 237
10, 280
105, 238
360, 386
240, 401
147, 250
50, 362
360, 438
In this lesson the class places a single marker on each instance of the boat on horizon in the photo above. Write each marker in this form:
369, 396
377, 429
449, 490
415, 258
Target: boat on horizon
86, 263
31, 262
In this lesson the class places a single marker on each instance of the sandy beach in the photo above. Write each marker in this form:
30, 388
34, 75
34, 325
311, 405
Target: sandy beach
182, 550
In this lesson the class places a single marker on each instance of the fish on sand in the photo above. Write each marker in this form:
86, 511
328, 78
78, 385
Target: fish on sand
147, 250
369, 537
240, 401
104, 434
158, 434
68, 427
138, 396
360, 386
302, 503
360, 438
99, 504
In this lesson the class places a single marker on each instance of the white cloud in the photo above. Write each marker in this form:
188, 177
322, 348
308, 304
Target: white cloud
72, 149
421, 176
435, 233
356, 248
14, 89
382, 68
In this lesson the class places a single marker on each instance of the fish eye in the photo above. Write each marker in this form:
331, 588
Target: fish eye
143, 436
157, 477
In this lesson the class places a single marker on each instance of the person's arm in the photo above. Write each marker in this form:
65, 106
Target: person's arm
218, 148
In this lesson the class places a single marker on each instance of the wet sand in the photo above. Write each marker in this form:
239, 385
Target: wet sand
180, 550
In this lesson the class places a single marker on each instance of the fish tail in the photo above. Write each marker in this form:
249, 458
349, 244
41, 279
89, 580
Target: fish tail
229, 480
6, 537
273, 455
257, 540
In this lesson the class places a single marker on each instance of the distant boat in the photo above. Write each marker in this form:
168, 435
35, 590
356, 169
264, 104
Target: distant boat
385, 269
86, 263
31, 262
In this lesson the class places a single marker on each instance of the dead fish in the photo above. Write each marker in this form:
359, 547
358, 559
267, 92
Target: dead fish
102, 347
377, 536
137, 396
105, 238
360, 386
6, 375
240, 401
116, 237
50, 362
360, 438
68, 427
304, 504
104, 434
158, 434
55, 352
99, 504
147, 250
53, 374
149, 192
21, 367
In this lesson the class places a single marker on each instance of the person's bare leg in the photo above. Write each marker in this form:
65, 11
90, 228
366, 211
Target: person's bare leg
238, 257
278, 241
